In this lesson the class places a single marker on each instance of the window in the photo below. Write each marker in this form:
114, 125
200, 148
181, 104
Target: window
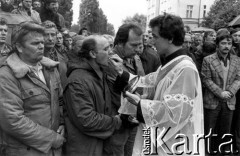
189, 11
204, 11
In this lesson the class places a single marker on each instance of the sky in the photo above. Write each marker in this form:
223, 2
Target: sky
115, 10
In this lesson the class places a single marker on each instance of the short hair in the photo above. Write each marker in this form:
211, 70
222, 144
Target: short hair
49, 24
206, 33
222, 37
51, 1
58, 32
81, 30
36, 1
171, 27
88, 45
66, 36
188, 28
77, 38
3, 21
123, 33
23, 29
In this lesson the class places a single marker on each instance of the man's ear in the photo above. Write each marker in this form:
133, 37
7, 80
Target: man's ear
19, 47
93, 54
170, 41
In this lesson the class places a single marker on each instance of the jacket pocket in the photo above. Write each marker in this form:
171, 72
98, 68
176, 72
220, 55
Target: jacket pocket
28, 93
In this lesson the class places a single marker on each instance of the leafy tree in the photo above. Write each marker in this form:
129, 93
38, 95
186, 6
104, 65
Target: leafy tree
110, 29
138, 19
65, 9
92, 17
221, 13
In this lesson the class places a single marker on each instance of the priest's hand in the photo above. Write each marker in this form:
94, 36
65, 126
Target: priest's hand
117, 63
132, 98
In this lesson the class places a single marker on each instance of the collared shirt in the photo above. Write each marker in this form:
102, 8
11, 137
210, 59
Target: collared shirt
37, 70
221, 58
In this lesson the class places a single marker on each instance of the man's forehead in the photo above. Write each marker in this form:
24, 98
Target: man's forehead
33, 36
187, 38
102, 42
59, 35
226, 40
50, 30
133, 37
237, 33
27, 0
3, 26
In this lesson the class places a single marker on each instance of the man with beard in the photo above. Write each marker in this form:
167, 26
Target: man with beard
30, 94
26, 10
221, 78
50, 12
37, 5
4, 47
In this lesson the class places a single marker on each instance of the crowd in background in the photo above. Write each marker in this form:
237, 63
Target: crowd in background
36, 117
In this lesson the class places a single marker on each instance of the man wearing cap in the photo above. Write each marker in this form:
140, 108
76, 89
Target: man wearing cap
4, 47
26, 10
30, 91
50, 12
221, 78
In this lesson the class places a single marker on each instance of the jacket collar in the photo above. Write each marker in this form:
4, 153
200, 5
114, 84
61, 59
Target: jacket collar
221, 58
20, 69
85, 64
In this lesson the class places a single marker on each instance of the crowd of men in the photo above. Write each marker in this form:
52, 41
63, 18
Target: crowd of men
64, 93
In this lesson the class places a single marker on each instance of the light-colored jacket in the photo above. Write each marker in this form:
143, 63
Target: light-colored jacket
29, 108
34, 14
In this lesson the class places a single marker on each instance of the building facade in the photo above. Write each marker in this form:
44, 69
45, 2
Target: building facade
191, 11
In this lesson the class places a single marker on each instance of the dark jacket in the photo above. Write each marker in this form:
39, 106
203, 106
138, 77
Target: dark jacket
150, 60
62, 59
89, 119
29, 108
56, 18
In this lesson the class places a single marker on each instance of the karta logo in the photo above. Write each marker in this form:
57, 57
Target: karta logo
182, 144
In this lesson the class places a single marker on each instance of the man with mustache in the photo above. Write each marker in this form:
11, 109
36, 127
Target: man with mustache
221, 78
